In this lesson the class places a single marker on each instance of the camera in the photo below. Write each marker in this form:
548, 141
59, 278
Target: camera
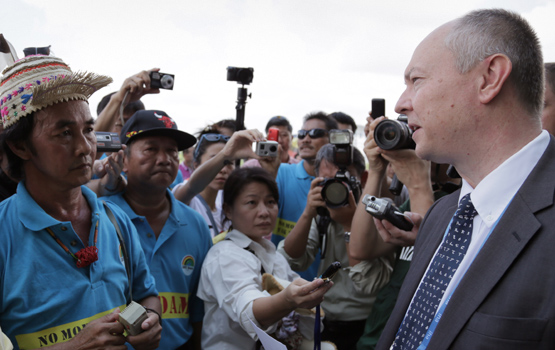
240, 75
394, 134
384, 209
107, 141
161, 80
132, 317
267, 148
335, 191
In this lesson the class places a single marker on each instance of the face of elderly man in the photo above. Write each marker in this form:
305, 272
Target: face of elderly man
63, 146
437, 99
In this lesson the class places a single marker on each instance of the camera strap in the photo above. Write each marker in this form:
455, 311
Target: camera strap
123, 249
209, 214
322, 223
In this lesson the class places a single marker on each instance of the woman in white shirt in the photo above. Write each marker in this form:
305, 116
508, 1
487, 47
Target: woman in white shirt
231, 277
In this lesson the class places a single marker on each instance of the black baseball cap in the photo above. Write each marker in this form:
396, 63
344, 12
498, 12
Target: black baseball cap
155, 123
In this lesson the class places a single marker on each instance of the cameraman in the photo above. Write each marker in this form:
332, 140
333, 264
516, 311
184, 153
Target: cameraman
347, 304
366, 242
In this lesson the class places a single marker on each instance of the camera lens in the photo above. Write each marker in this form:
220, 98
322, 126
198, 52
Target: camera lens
273, 149
393, 134
167, 81
335, 193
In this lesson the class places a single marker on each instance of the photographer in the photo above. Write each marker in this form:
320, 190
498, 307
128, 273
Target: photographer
349, 303
366, 242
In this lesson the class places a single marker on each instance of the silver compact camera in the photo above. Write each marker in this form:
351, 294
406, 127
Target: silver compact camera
132, 317
107, 141
384, 209
161, 80
267, 149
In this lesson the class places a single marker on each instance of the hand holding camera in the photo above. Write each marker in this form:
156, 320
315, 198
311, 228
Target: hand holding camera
384, 209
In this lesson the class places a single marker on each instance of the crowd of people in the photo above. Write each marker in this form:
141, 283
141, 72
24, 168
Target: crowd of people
227, 242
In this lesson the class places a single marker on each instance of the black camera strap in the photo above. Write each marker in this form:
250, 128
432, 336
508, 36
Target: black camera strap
123, 250
322, 223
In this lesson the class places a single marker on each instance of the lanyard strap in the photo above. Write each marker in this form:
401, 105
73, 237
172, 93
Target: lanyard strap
209, 214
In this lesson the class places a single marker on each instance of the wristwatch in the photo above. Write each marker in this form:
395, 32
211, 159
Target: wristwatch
347, 236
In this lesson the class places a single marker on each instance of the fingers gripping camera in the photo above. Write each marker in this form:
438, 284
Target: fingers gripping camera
384, 209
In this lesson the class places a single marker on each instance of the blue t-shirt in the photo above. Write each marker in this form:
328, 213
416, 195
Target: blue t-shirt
46, 299
293, 183
175, 260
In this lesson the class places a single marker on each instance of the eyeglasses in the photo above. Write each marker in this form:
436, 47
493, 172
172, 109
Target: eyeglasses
209, 138
313, 133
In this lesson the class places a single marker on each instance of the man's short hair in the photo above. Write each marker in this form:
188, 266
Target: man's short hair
129, 109
483, 33
326, 152
278, 120
344, 119
330, 122
550, 75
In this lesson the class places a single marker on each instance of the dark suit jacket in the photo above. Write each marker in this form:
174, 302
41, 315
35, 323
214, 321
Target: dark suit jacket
506, 299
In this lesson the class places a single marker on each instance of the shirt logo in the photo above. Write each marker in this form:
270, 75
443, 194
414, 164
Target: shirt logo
188, 265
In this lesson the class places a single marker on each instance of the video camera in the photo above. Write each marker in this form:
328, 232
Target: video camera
335, 191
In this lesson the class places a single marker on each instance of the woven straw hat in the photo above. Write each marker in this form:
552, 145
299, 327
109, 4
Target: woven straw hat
39, 81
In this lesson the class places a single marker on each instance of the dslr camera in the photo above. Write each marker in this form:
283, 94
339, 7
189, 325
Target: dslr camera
392, 134
107, 141
161, 80
335, 191
240, 75
384, 209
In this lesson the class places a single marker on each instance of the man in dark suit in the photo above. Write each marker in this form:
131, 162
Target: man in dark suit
474, 97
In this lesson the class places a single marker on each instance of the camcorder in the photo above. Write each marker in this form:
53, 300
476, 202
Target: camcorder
392, 134
268, 148
161, 80
107, 141
384, 209
335, 191
240, 75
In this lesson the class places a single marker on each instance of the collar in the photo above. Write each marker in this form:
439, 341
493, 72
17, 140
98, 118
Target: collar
494, 193
300, 172
34, 218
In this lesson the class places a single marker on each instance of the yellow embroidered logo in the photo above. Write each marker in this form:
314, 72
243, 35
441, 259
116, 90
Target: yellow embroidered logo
174, 305
283, 227
57, 334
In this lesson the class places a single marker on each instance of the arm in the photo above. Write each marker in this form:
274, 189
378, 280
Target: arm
366, 243
296, 241
152, 330
239, 146
299, 294
132, 89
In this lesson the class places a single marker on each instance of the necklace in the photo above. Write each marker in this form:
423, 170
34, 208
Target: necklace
85, 256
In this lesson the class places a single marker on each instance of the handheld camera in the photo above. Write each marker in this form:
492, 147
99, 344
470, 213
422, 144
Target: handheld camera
161, 80
384, 209
393, 134
107, 141
268, 148
335, 191
132, 317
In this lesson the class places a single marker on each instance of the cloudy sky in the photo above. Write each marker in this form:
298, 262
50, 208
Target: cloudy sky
308, 55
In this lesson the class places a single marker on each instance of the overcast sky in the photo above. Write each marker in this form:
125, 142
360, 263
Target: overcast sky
307, 55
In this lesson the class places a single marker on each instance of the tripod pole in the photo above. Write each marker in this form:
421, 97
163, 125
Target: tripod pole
241, 102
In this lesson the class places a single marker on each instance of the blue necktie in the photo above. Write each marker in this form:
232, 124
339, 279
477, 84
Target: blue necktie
445, 263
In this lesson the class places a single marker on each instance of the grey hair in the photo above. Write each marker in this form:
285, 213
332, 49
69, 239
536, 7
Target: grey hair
327, 151
483, 33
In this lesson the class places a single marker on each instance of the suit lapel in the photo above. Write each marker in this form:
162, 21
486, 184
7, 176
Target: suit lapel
511, 235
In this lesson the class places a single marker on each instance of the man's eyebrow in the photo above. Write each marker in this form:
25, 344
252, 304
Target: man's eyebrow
70, 122
407, 74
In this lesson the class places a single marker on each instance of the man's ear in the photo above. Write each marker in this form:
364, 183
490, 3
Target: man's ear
20, 149
496, 71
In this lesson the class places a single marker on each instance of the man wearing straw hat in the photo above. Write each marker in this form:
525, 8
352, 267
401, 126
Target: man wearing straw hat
63, 278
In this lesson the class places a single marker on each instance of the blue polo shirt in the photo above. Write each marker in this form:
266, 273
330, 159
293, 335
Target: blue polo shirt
293, 183
175, 260
46, 299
